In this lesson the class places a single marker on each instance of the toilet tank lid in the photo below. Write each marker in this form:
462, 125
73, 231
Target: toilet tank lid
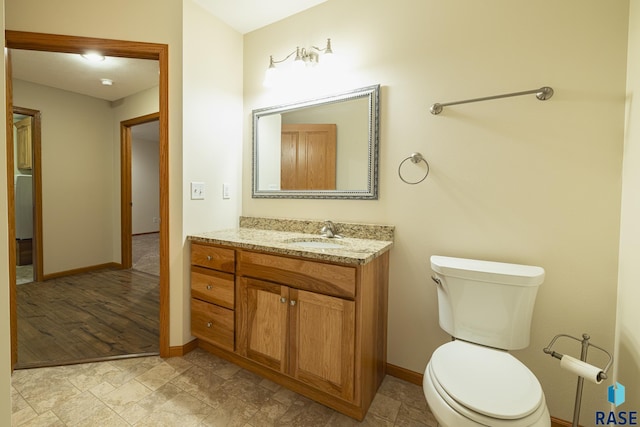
488, 271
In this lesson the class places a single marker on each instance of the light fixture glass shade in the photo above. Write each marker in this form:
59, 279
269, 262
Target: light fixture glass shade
270, 77
298, 65
328, 59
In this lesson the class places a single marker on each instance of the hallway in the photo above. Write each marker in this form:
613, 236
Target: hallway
94, 315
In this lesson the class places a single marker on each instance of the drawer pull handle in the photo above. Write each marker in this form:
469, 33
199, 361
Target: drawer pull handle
209, 257
292, 302
209, 324
209, 287
283, 300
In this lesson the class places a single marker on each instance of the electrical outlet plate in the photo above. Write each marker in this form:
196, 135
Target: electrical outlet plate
197, 191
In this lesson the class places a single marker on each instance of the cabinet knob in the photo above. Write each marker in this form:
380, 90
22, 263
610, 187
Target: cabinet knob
209, 324
209, 287
292, 302
283, 300
209, 257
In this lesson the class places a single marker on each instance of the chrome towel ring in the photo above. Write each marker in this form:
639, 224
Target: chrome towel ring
415, 159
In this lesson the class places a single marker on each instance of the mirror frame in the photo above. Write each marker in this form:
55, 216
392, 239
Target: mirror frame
372, 94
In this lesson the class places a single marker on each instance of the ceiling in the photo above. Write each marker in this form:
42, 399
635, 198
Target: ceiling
73, 73
248, 15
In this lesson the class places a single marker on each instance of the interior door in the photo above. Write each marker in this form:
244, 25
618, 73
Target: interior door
308, 157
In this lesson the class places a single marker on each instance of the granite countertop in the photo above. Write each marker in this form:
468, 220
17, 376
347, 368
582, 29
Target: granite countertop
351, 250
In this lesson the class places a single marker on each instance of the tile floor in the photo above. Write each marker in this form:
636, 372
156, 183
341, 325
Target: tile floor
198, 389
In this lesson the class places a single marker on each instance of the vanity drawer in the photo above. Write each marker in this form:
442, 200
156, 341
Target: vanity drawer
212, 324
213, 286
329, 279
213, 257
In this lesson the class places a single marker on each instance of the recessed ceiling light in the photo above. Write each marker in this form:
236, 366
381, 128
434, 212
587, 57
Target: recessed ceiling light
93, 56
106, 82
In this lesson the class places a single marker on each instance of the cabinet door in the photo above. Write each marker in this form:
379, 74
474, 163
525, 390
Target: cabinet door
323, 342
24, 142
262, 322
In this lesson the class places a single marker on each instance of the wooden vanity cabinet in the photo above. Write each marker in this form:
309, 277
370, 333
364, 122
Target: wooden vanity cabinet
213, 295
306, 335
315, 327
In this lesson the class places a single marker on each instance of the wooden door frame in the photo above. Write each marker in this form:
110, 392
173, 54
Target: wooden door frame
126, 202
38, 272
119, 48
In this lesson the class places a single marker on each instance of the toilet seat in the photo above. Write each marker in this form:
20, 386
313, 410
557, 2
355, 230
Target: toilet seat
478, 383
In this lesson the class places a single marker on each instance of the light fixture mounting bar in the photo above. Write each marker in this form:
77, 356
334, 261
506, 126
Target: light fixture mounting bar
303, 54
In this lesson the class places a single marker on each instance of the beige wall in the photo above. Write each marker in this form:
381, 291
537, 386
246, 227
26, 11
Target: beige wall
5, 341
627, 332
515, 180
136, 105
212, 148
145, 191
77, 176
81, 172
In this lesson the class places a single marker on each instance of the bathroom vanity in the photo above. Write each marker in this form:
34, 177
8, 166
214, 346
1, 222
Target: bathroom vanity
306, 312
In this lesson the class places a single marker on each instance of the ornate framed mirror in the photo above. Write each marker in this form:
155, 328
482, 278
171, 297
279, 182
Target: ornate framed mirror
325, 148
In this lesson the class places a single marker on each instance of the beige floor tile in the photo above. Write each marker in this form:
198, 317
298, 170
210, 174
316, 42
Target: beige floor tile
233, 412
46, 419
47, 394
198, 389
269, 414
22, 415
126, 395
72, 411
183, 410
157, 376
159, 397
105, 417
385, 407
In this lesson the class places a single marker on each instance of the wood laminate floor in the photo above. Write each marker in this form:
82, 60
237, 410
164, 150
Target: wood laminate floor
89, 316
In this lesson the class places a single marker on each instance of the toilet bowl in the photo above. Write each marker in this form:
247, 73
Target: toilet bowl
473, 381
467, 385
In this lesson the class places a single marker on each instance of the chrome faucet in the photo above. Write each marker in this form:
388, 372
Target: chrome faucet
329, 230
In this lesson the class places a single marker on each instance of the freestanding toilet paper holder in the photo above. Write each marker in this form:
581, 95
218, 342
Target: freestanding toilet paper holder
601, 375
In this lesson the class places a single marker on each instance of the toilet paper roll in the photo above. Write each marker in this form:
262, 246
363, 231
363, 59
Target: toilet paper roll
580, 368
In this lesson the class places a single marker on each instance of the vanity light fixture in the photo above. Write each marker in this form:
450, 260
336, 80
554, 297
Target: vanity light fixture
303, 57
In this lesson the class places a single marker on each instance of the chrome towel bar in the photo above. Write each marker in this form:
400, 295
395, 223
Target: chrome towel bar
542, 94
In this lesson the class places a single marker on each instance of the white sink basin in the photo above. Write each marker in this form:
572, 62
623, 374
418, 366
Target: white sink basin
315, 244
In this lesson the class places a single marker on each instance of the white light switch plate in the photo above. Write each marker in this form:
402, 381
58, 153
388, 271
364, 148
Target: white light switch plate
197, 191
226, 191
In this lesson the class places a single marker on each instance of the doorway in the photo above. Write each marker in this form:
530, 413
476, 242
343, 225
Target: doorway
116, 48
28, 200
140, 189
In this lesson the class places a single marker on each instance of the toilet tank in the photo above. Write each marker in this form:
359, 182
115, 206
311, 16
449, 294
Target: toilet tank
485, 302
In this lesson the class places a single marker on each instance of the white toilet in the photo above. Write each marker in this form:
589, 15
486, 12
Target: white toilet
473, 381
